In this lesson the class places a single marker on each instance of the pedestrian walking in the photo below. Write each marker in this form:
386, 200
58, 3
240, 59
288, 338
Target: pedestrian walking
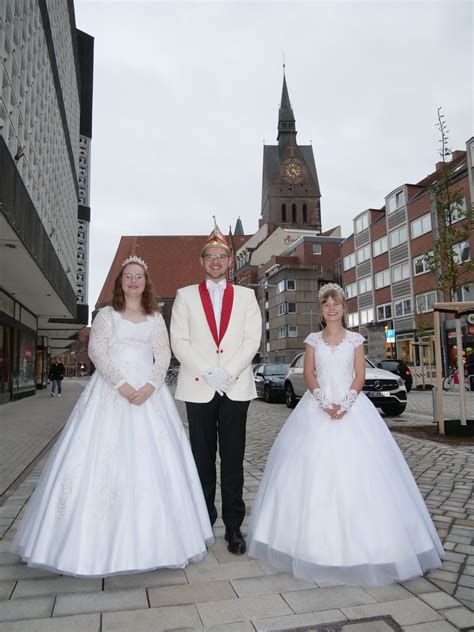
56, 375
337, 501
215, 333
120, 492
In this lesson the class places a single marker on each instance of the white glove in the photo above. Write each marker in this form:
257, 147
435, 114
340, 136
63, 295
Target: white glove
225, 388
215, 378
321, 398
349, 400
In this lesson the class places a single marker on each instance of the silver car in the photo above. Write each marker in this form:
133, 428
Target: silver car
385, 390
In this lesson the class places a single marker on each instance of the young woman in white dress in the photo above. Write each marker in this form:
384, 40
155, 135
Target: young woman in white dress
120, 492
337, 501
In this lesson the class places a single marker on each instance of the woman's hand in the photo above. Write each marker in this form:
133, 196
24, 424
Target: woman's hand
127, 391
142, 394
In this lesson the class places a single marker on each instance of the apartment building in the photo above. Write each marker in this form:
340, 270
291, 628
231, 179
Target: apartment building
385, 272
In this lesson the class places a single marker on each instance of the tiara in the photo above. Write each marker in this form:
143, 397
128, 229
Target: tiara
135, 259
330, 286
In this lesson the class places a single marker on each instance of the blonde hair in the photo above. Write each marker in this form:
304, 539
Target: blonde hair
336, 296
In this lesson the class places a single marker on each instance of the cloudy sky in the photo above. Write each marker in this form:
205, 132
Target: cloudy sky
186, 93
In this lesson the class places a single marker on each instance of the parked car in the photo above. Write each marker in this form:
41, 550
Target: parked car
385, 390
269, 381
395, 366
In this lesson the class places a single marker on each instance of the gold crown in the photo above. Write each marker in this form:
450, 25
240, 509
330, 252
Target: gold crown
134, 259
330, 286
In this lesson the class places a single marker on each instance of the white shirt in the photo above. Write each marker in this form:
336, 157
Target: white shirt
216, 291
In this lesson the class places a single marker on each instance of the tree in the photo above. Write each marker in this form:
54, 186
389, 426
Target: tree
450, 261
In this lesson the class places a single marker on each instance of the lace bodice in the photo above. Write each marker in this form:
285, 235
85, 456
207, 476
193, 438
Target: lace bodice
115, 341
334, 364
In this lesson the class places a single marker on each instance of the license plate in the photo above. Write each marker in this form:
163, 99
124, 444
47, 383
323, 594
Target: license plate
378, 393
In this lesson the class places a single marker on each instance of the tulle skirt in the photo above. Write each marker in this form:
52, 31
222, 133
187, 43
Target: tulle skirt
338, 503
120, 492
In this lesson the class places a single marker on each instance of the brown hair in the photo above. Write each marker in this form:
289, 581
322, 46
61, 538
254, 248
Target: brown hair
147, 303
336, 296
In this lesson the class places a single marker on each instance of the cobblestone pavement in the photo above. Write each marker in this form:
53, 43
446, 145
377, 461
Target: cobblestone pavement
239, 594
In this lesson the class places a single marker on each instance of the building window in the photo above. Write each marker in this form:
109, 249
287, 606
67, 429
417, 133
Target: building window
281, 309
283, 212
424, 302
363, 254
398, 236
384, 312
420, 226
349, 261
305, 213
286, 284
380, 246
420, 264
382, 279
402, 307
365, 285
400, 272
362, 223
293, 213
353, 319
396, 201
461, 252
291, 308
366, 315
288, 331
457, 212
351, 290
316, 249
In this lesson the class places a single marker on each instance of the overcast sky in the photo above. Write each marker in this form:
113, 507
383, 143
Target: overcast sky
186, 93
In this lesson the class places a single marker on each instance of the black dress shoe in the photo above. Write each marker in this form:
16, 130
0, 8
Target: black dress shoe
236, 541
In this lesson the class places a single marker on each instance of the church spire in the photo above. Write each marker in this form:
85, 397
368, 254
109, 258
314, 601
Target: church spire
286, 118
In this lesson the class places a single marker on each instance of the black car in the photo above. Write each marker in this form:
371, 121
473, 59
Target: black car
270, 381
395, 366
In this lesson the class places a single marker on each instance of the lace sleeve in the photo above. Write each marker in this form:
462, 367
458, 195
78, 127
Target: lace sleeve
356, 339
311, 339
99, 342
161, 352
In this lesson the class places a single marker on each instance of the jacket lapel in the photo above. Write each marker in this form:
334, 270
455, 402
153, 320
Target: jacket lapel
209, 310
227, 303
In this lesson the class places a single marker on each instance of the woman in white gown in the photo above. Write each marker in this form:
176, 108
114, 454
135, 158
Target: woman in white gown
120, 492
337, 501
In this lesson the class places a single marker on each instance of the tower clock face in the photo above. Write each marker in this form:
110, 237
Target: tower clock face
293, 170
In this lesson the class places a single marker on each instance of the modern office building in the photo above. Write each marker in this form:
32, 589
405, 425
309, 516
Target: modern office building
46, 78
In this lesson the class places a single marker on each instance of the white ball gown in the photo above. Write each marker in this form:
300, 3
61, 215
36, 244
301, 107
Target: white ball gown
120, 492
337, 501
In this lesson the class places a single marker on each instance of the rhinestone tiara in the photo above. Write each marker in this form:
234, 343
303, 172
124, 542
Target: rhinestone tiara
135, 259
330, 286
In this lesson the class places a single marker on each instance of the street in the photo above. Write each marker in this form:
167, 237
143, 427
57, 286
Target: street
231, 593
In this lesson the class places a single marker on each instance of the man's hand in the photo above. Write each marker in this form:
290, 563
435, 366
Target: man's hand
127, 391
216, 378
142, 394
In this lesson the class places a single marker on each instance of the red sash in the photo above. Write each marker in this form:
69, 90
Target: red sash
227, 303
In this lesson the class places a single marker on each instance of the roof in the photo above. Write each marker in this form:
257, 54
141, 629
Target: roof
173, 262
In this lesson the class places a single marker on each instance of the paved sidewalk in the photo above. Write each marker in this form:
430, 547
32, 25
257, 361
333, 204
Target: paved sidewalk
239, 594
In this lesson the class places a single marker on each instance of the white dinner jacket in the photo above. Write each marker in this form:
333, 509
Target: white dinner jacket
195, 348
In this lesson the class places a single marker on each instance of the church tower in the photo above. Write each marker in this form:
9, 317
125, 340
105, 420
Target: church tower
290, 187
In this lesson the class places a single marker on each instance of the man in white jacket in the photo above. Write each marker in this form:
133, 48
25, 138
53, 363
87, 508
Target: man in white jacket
215, 333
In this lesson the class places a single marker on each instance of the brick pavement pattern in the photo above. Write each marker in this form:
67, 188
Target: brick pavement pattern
224, 592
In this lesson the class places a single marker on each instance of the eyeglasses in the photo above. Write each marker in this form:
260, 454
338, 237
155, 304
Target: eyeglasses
215, 257
134, 277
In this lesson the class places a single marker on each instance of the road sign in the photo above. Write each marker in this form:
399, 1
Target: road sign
390, 335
